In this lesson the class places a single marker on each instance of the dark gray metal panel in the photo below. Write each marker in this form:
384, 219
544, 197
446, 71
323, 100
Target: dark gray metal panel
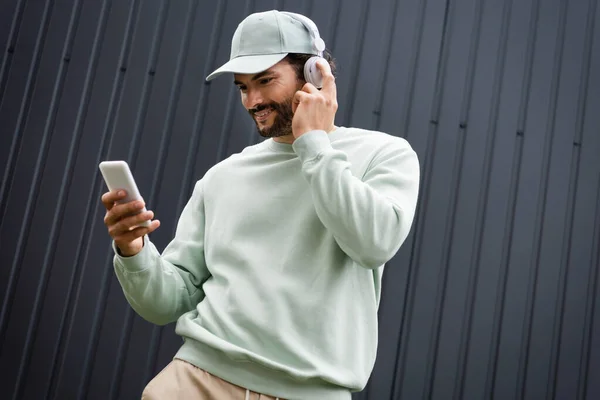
494, 293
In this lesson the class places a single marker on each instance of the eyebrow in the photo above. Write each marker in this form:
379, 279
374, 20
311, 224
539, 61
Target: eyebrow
257, 77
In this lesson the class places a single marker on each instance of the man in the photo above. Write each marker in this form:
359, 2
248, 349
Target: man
274, 273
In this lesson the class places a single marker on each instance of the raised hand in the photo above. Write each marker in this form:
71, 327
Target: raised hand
315, 109
123, 220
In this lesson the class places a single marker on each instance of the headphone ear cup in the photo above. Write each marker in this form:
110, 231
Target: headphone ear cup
311, 72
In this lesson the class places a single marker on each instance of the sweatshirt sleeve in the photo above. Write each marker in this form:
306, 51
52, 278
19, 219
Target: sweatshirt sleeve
160, 288
370, 217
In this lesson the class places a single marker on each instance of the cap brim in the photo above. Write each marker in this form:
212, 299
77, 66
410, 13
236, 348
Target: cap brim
248, 65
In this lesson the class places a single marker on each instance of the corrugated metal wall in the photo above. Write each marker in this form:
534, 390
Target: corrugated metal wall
495, 293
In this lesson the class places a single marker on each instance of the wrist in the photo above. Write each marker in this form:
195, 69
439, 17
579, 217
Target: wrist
311, 144
303, 131
130, 250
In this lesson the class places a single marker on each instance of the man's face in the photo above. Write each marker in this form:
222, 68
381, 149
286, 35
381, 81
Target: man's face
268, 98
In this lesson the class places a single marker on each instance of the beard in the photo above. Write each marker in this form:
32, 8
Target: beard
282, 124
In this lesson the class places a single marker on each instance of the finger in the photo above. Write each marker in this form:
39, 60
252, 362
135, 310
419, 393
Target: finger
133, 221
310, 88
129, 236
129, 223
300, 96
329, 86
109, 198
121, 211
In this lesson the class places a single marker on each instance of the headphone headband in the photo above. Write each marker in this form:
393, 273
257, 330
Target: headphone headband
318, 43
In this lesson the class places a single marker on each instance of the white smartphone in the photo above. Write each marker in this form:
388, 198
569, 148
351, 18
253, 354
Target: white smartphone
117, 176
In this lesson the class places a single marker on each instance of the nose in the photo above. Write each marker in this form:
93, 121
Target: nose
253, 98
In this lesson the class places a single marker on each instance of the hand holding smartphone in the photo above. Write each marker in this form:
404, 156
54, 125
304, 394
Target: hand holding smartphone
118, 176
127, 218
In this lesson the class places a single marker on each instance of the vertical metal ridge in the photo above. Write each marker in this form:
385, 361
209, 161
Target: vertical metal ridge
472, 61
8, 176
541, 207
335, 21
412, 71
227, 118
188, 177
309, 7
386, 57
510, 217
115, 379
10, 47
428, 169
570, 216
131, 158
503, 275
440, 294
7, 179
590, 303
563, 274
77, 273
49, 251
148, 82
410, 288
361, 29
165, 139
594, 264
455, 185
445, 264
585, 70
491, 133
440, 74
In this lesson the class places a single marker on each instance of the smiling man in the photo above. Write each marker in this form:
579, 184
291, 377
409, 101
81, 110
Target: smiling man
272, 114
270, 95
274, 274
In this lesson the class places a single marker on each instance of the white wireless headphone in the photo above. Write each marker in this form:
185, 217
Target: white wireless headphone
311, 72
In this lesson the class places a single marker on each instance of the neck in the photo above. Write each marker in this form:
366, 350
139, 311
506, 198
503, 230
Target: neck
289, 139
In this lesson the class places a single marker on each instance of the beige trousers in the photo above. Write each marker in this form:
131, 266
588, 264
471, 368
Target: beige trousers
182, 380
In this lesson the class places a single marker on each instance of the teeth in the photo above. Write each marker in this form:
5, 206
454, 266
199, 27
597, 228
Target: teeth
261, 114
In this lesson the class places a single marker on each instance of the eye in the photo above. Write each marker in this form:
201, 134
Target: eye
241, 88
264, 81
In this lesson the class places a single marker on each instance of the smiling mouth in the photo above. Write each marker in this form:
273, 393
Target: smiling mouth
262, 115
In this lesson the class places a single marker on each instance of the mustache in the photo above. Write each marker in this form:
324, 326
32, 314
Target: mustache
262, 107
283, 108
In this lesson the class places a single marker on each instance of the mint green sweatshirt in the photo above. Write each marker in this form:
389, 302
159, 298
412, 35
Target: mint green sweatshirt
274, 273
